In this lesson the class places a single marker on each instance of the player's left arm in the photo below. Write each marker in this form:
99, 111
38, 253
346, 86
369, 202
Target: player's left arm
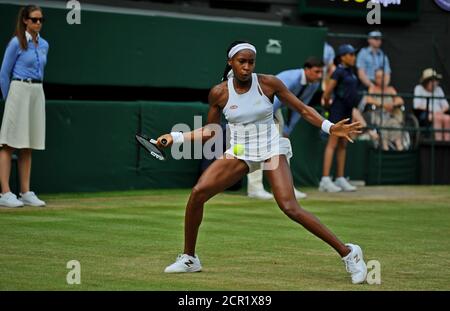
286, 96
340, 129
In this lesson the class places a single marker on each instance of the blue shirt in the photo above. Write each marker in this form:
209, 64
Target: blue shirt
370, 61
295, 81
328, 54
23, 64
346, 90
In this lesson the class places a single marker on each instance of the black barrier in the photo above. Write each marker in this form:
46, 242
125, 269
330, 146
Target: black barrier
426, 129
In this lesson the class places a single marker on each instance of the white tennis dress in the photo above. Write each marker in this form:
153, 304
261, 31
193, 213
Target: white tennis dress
251, 125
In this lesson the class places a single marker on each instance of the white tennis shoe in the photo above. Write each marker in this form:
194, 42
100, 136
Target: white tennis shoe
355, 265
327, 185
260, 194
30, 198
299, 195
342, 183
9, 199
184, 263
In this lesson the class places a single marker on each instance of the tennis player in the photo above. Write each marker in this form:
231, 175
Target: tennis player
246, 100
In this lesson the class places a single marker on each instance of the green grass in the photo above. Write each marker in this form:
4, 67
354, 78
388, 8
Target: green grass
123, 241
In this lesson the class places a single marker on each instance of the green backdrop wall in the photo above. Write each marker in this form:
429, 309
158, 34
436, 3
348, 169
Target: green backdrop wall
90, 146
112, 48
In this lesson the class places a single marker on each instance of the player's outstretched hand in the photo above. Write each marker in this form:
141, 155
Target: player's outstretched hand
344, 129
164, 141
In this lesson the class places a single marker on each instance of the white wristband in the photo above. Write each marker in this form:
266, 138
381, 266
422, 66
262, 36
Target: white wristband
177, 137
326, 125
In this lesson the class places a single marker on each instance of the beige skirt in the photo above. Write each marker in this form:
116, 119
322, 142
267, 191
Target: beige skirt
23, 124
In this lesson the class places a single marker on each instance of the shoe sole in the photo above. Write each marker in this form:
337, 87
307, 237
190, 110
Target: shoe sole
326, 190
190, 271
257, 197
363, 281
347, 190
34, 205
365, 275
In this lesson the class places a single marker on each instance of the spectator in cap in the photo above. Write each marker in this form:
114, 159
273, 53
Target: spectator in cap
328, 58
372, 58
344, 86
438, 106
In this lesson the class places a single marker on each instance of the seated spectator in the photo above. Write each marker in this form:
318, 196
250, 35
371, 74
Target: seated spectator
437, 107
386, 111
367, 134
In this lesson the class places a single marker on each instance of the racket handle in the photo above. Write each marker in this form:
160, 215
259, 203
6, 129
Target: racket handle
164, 141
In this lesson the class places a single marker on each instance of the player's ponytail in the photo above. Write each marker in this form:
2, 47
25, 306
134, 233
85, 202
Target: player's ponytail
227, 71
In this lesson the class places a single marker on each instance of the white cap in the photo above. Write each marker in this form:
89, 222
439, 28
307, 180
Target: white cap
375, 34
430, 73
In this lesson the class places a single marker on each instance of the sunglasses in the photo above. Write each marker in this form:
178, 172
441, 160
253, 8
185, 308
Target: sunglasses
36, 19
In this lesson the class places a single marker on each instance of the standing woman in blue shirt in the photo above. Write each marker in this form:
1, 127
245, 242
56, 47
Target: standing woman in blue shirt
23, 125
344, 85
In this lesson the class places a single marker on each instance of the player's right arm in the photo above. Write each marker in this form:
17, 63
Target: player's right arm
216, 98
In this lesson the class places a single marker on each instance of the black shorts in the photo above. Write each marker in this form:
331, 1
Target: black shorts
340, 111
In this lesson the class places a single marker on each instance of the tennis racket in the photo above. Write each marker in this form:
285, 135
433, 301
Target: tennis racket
151, 146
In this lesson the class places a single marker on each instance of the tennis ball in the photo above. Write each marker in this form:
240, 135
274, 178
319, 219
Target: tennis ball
238, 149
